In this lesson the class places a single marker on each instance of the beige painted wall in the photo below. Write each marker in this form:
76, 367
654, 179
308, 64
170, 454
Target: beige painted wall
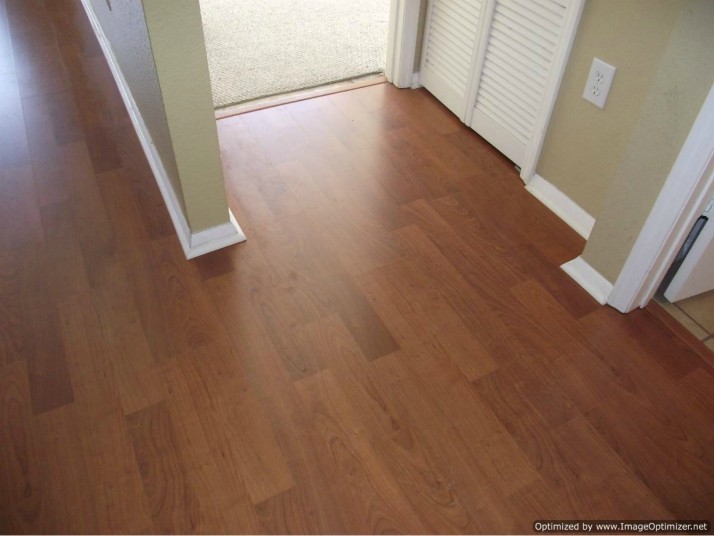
177, 43
584, 144
160, 49
679, 87
125, 27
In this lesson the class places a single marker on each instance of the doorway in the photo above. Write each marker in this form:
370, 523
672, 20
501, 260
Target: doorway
263, 48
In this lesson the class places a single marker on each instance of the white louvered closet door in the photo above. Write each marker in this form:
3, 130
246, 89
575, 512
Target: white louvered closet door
518, 56
450, 41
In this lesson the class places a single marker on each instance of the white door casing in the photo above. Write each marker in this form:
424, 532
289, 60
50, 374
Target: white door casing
684, 196
401, 42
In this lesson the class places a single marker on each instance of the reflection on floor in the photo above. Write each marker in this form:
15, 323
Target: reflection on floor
696, 314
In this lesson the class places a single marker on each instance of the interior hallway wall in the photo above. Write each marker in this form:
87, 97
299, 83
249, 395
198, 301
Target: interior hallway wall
682, 81
125, 27
178, 45
159, 47
584, 144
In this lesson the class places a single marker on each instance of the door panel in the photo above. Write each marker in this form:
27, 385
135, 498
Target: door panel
497, 65
515, 70
451, 34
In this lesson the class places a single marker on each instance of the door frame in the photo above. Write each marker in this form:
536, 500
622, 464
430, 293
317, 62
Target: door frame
683, 198
402, 41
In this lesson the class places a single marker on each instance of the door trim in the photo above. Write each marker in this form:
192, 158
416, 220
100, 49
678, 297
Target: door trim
686, 192
402, 41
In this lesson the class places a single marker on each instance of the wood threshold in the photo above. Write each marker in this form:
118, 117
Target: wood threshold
303, 94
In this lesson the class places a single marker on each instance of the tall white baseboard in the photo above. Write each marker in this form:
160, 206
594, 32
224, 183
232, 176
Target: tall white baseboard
589, 278
193, 243
564, 207
214, 238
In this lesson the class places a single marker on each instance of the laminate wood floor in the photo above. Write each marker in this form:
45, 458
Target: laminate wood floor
394, 349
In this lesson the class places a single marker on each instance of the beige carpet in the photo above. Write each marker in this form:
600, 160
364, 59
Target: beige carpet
258, 48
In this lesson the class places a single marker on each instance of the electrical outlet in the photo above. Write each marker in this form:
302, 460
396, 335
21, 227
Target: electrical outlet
599, 82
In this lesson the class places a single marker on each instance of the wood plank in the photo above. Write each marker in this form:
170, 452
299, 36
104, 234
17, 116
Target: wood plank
102, 150
19, 209
431, 459
92, 225
284, 514
293, 256
636, 371
174, 313
414, 311
66, 272
118, 492
122, 210
68, 502
653, 338
582, 379
569, 454
628, 424
20, 476
64, 117
171, 499
194, 386
40, 72
50, 383
214, 264
13, 138
319, 496
372, 336
48, 167
279, 315
120, 324
231, 423
16, 335
480, 259
353, 460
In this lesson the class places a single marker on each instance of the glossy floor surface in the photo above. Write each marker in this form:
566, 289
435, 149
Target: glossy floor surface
394, 349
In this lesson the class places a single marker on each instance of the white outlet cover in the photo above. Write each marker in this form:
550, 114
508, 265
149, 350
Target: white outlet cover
599, 81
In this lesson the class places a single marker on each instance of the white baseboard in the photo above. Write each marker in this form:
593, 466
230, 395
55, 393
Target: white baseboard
589, 278
213, 238
193, 243
416, 80
564, 207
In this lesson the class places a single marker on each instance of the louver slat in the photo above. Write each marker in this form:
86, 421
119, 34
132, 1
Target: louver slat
518, 60
449, 47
